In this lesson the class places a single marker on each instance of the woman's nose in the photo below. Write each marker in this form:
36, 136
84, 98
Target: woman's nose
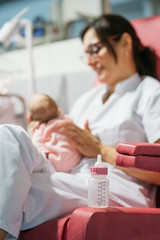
90, 60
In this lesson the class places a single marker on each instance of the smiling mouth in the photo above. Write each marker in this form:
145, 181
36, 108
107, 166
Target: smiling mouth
99, 70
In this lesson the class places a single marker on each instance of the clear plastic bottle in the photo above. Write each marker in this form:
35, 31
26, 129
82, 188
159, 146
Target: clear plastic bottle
98, 185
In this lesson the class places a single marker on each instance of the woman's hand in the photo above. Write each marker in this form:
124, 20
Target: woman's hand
83, 140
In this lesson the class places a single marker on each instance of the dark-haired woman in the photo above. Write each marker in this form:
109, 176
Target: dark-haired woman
124, 108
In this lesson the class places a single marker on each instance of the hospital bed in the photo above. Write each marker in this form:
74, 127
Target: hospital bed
112, 223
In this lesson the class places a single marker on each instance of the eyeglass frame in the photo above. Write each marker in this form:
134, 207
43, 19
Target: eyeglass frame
91, 46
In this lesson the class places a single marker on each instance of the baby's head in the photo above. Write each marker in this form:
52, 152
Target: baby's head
42, 108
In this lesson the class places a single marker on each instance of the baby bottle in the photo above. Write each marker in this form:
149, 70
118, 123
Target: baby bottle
98, 185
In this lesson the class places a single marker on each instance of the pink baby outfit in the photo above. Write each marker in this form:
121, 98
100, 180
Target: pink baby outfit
62, 155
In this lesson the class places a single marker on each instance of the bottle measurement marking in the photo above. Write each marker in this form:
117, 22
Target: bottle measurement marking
101, 193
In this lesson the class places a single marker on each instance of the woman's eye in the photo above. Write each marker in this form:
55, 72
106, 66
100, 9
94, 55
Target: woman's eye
95, 49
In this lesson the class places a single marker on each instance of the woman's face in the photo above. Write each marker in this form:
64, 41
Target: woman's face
109, 70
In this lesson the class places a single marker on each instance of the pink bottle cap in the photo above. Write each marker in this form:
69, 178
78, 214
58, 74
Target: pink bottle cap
99, 170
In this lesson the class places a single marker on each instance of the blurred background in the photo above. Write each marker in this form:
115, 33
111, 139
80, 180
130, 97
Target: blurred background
55, 20
48, 60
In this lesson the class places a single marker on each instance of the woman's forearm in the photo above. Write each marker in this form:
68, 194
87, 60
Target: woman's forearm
109, 155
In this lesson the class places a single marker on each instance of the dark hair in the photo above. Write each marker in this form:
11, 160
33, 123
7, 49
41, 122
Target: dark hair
113, 26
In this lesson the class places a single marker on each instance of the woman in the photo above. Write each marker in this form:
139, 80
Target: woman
122, 109
115, 52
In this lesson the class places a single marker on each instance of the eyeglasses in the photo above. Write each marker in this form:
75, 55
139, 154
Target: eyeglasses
92, 50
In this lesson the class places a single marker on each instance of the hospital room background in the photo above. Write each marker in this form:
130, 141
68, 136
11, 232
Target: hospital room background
40, 49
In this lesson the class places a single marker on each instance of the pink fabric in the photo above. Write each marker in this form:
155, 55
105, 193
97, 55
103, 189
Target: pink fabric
99, 224
149, 163
144, 156
114, 223
55, 145
55, 229
150, 149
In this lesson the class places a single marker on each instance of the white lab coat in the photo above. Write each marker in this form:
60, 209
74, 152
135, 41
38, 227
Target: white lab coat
32, 192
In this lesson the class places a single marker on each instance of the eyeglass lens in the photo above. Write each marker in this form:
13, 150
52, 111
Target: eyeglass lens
92, 50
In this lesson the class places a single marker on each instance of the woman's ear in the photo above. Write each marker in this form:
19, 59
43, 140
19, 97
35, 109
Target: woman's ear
126, 41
